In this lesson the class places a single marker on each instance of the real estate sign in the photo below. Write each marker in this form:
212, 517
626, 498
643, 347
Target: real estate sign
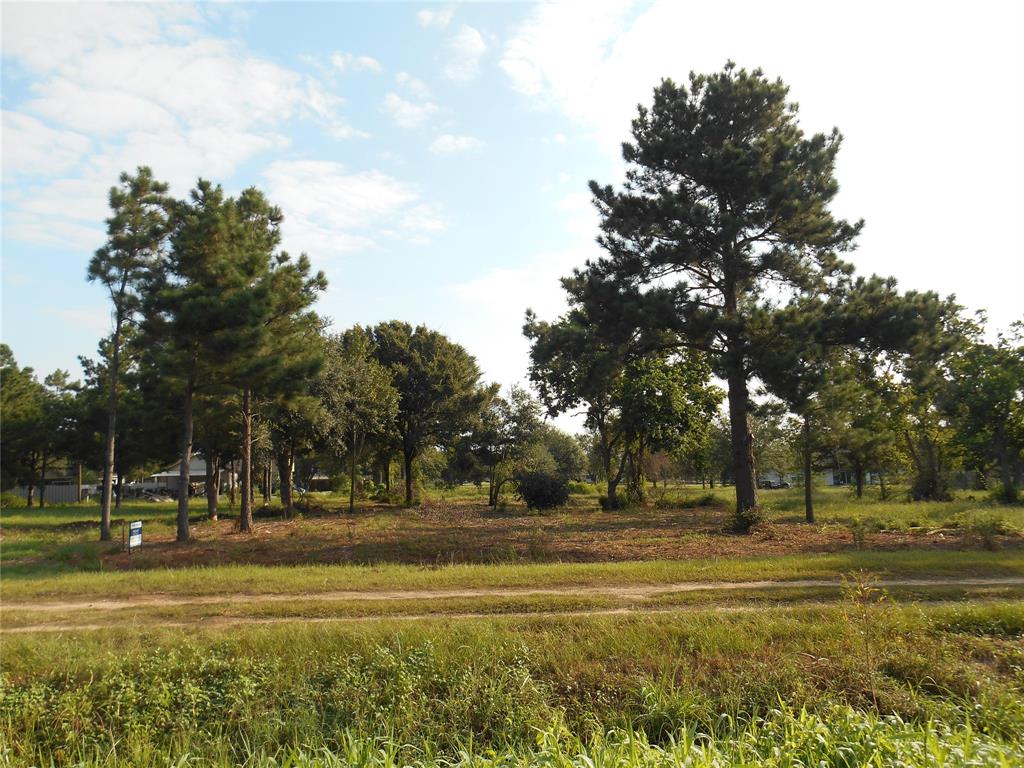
134, 534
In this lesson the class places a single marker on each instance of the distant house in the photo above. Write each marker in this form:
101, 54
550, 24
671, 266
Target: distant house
167, 481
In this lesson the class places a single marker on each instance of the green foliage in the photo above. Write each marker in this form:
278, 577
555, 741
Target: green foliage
439, 395
542, 490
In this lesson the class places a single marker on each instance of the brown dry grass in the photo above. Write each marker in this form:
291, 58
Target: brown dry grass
470, 532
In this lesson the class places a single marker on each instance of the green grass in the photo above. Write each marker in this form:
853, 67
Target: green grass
816, 683
311, 579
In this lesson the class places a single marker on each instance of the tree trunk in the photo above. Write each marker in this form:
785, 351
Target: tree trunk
1005, 469
79, 494
183, 470
267, 490
407, 459
118, 489
212, 484
808, 493
108, 453
858, 475
232, 482
284, 468
29, 493
742, 444
352, 474
42, 483
387, 474
245, 517
881, 485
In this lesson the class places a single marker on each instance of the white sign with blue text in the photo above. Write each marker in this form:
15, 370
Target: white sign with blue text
135, 534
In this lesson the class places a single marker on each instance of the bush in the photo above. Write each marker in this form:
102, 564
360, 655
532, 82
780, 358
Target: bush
542, 490
582, 489
1006, 494
983, 528
8, 500
618, 501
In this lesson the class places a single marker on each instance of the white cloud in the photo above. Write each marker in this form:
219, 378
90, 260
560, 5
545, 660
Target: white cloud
581, 217
137, 84
465, 50
31, 147
408, 114
498, 300
414, 85
331, 210
450, 144
439, 18
43, 38
349, 62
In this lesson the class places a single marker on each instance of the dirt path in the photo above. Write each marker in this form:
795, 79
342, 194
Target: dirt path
213, 622
625, 592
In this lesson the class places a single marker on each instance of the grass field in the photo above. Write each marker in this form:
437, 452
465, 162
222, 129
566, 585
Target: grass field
887, 634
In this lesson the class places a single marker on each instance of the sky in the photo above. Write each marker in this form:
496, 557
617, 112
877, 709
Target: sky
433, 159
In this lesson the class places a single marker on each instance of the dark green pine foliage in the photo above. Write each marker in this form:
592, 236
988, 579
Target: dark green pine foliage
726, 203
279, 349
438, 384
136, 234
200, 310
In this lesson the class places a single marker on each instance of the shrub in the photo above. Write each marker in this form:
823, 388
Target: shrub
8, 500
984, 528
1006, 494
579, 488
746, 519
542, 490
618, 501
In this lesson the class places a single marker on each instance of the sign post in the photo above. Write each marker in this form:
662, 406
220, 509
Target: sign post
134, 534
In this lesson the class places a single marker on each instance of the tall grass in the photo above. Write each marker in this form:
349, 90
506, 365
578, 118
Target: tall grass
510, 691
783, 738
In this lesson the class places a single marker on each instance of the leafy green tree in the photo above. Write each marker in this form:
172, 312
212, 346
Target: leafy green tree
21, 413
565, 449
985, 402
136, 233
294, 431
573, 365
358, 399
438, 384
198, 309
662, 404
726, 201
503, 433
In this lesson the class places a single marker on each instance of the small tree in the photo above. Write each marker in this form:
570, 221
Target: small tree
357, 399
439, 394
503, 433
136, 232
985, 400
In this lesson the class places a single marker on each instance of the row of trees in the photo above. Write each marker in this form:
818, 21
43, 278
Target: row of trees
216, 348
722, 260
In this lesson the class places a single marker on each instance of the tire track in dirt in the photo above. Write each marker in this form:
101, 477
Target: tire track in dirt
217, 622
619, 591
